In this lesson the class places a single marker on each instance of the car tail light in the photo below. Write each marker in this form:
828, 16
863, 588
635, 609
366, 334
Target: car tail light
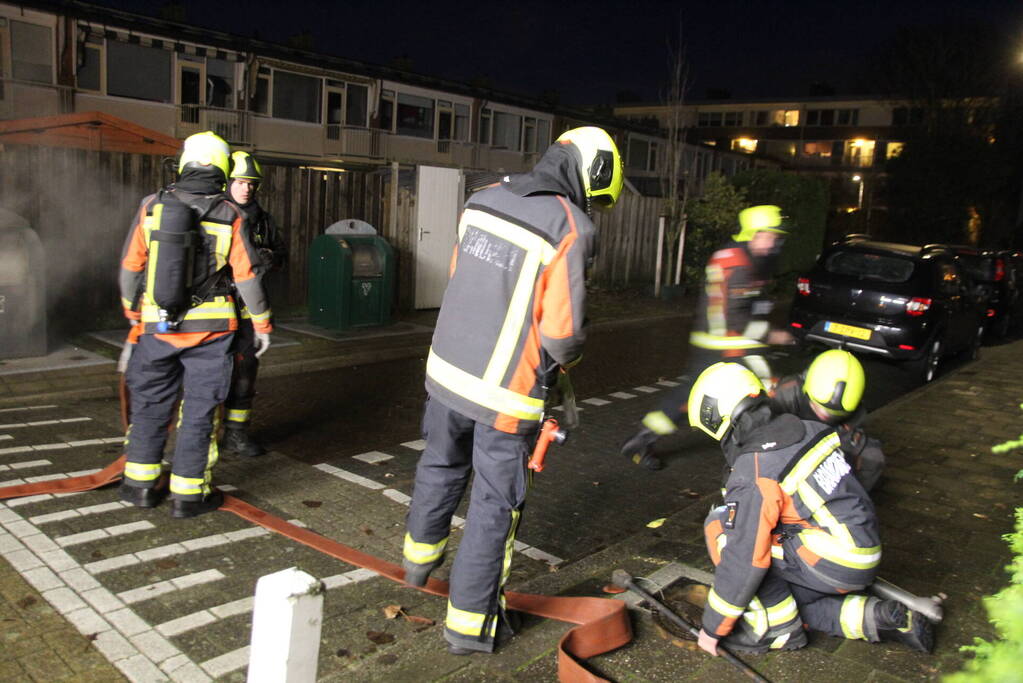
999, 270
918, 305
907, 347
798, 325
990, 312
803, 286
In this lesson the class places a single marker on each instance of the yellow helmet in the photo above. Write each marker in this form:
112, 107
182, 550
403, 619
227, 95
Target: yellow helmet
720, 394
205, 149
835, 381
600, 164
756, 218
245, 166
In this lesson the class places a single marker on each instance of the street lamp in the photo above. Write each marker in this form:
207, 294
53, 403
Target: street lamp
859, 198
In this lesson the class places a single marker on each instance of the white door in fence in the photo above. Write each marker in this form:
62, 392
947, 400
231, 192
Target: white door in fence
439, 193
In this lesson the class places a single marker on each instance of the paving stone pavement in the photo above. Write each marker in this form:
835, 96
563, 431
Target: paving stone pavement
92, 589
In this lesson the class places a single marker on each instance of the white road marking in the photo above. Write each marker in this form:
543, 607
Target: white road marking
416, 445
108, 532
373, 457
349, 476
646, 389
61, 446
44, 423
596, 401
668, 383
130, 597
25, 465
13, 410
6, 437
227, 662
622, 395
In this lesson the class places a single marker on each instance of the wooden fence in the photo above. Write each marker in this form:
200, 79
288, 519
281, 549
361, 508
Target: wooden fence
81, 204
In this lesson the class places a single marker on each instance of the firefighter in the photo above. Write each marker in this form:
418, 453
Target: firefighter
796, 540
829, 391
184, 253
730, 322
266, 237
511, 318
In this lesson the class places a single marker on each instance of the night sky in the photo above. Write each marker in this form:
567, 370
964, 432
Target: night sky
589, 52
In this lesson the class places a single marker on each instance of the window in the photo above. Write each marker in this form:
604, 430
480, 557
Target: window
486, 119
907, 116
543, 134
31, 52
859, 152
732, 118
219, 83
138, 71
817, 148
296, 97
760, 118
415, 116
708, 118
356, 106
820, 117
848, 117
260, 100
639, 152
90, 64
894, 149
867, 266
507, 129
386, 112
785, 117
462, 122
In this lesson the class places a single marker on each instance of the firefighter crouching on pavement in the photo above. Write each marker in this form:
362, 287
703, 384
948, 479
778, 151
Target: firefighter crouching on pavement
730, 322
513, 310
187, 244
829, 391
266, 238
796, 540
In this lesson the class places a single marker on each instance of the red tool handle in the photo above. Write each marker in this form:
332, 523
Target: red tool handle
548, 434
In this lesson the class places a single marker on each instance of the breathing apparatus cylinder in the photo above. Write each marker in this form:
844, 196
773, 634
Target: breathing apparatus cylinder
173, 243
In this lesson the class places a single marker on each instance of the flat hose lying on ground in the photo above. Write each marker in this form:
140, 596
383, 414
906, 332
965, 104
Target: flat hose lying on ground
602, 625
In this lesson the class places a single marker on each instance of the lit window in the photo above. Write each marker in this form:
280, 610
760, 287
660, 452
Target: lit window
792, 117
817, 148
894, 149
859, 152
744, 145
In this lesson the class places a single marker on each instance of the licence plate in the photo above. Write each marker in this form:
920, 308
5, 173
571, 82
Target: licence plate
847, 330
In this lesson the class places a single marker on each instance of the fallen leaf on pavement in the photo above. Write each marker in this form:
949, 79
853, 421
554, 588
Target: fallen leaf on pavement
312, 503
26, 601
979, 515
379, 637
416, 619
366, 530
342, 653
392, 611
656, 523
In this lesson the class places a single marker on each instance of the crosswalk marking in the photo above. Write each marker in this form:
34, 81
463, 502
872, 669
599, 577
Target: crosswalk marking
153, 590
45, 423
622, 395
14, 410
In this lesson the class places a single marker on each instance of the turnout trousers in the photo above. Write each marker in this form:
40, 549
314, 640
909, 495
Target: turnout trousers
456, 447
672, 411
156, 372
238, 406
792, 594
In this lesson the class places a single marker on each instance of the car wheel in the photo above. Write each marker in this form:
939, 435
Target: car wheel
927, 367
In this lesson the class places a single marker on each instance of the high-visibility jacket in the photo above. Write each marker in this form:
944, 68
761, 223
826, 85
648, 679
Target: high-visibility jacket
732, 314
791, 496
228, 256
516, 294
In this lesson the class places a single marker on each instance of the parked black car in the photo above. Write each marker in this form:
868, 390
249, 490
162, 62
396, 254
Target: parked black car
995, 274
906, 303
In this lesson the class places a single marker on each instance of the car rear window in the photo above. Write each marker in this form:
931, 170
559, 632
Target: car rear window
979, 267
868, 266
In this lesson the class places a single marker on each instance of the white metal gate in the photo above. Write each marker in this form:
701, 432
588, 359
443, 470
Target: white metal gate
439, 193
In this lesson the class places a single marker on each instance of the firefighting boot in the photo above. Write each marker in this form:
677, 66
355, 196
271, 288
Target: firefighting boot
640, 449
141, 497
183, 509
508, 625
417, 574
744, 640
896, 622
240, 442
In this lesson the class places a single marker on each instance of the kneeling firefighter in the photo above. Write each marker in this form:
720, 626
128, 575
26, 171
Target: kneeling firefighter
515, 299
829, 391
185, 254
267, 239
796, 540
731, 322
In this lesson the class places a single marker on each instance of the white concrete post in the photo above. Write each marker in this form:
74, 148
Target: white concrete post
660, 256
286, 623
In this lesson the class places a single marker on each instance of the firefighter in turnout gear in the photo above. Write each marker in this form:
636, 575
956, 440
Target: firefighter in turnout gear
829, 391
185, 254
796, 540
266, 237
511, 317
730, 322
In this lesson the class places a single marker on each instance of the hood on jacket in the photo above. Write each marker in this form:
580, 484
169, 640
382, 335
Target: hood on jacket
757, 429
557, 172
201, 180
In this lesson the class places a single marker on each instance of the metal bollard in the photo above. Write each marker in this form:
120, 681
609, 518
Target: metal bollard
286, 621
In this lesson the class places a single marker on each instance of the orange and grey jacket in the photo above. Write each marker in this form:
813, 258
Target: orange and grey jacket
791, 497
224, 244
516, 296
732, 312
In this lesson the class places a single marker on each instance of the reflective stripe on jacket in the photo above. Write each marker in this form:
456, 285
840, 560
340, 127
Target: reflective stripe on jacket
517, 291
731, 314
226, 248
797, 503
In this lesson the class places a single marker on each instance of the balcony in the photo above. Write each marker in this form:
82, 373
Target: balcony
25, 99
355, 141
230, 124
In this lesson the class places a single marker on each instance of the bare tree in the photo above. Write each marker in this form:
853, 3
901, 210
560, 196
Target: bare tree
674, 171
